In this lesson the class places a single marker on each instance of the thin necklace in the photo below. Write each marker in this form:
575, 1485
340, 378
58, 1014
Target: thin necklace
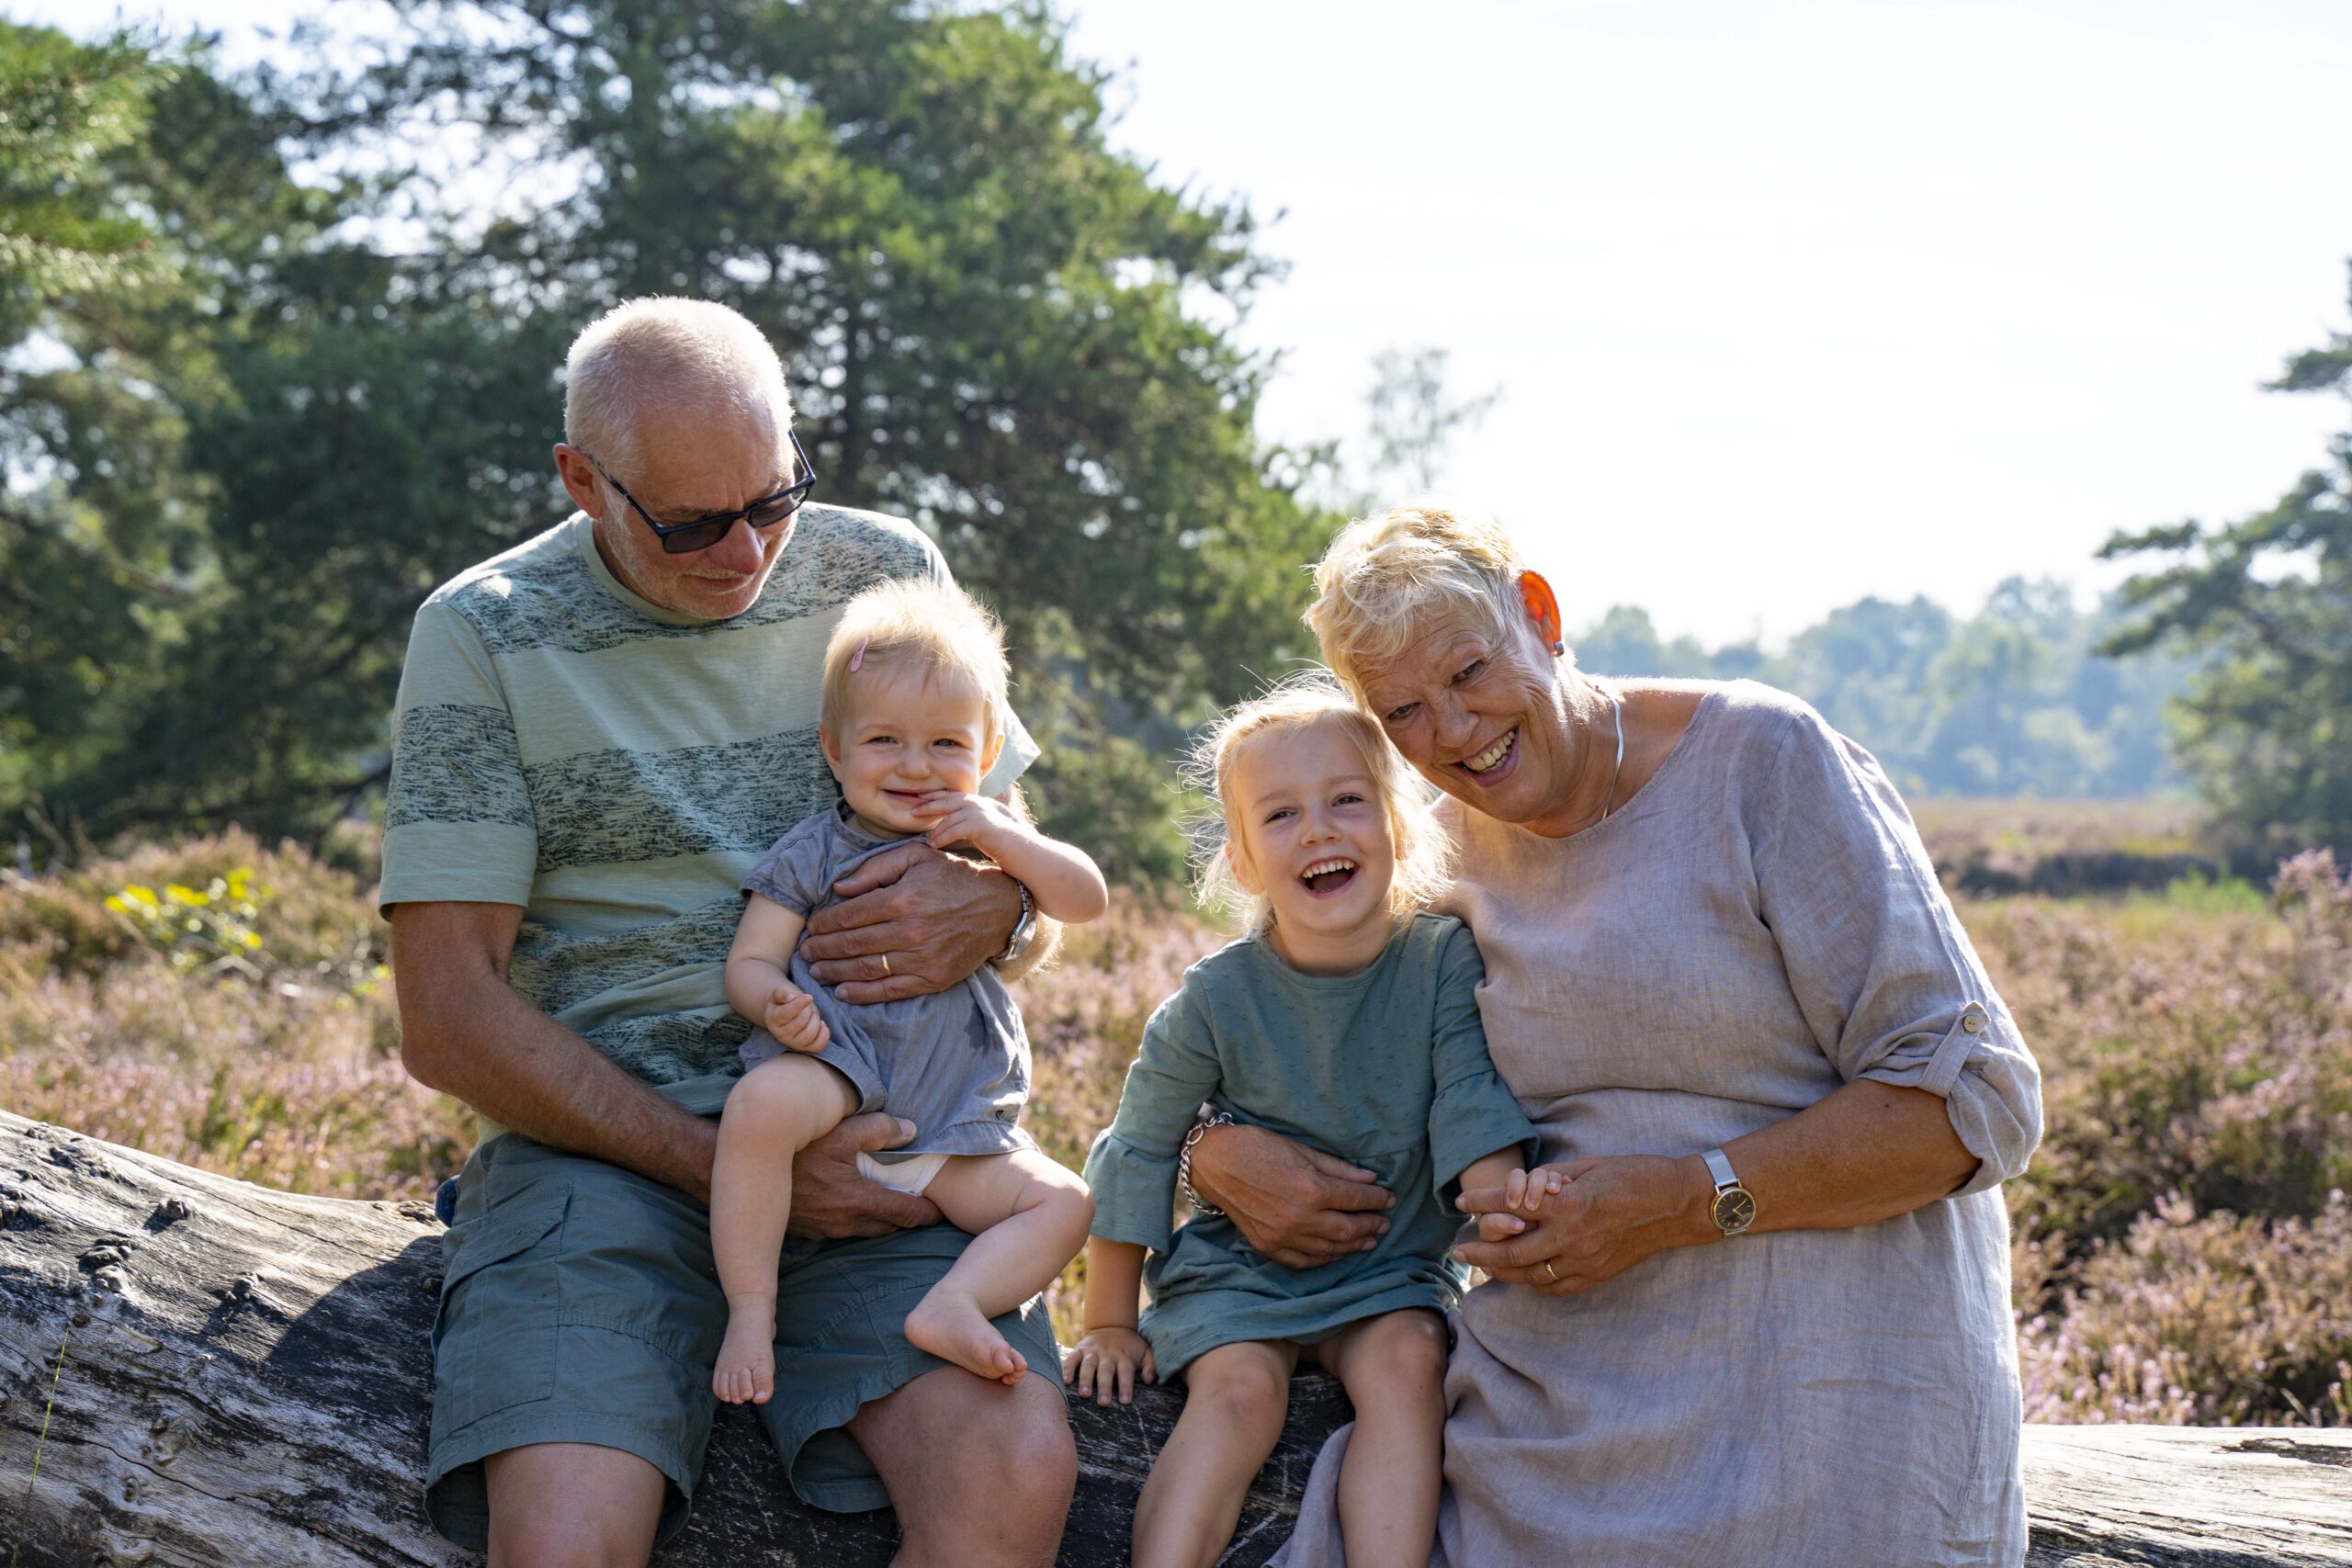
1617, 710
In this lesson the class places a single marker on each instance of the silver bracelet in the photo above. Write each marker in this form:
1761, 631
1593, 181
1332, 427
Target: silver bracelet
1185, 1162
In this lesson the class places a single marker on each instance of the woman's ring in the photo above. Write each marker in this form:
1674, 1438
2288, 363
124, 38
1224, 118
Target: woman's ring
1548, 1274
886, 967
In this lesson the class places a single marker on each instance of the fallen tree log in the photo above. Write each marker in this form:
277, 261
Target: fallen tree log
211, 1372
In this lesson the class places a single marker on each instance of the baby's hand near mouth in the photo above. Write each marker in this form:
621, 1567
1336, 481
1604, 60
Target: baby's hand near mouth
957, 818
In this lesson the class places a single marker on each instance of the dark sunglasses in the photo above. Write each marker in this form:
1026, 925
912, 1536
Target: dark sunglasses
685, 539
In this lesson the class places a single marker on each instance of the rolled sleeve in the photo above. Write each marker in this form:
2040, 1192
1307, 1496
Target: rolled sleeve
459, 824
1876, 956
1472, 1113
1131, 1170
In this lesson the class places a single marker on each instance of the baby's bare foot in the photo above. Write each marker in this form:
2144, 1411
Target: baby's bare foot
952, 1328
746, 1369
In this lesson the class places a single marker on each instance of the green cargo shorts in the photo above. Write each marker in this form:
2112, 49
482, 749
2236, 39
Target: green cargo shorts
579, 1304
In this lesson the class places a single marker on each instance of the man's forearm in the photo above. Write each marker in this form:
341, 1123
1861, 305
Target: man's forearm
524, 1071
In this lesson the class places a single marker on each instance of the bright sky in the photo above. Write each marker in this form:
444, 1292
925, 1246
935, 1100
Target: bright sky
1790, 302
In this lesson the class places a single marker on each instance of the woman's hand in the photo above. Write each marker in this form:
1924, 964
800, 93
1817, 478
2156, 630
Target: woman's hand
1298, 1206
1107, 1358
1605, 1217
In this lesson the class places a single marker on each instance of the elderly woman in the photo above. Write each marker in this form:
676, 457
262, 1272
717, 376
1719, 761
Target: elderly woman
1767, 1321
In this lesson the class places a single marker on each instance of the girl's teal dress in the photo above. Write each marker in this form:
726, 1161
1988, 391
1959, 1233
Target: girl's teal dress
1386, 1069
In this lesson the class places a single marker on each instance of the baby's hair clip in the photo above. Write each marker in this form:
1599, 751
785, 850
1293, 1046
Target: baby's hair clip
859, 656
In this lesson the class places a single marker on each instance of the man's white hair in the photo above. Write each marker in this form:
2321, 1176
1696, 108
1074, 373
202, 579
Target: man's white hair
654, 355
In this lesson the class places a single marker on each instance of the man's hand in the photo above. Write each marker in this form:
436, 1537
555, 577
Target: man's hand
1297, 1205
910, 921
831, 1201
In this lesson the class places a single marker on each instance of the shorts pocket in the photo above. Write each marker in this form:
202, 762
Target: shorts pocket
494, 1339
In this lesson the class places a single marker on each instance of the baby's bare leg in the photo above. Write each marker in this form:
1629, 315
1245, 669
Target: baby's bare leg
1393, 1367
1028, 1217
782, 1106
1236, 1398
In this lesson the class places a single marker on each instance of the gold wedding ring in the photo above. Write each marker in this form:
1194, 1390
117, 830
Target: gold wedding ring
886, 967
1548, 1274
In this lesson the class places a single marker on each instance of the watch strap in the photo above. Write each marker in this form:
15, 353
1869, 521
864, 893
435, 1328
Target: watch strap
1024, 930
1734, 1206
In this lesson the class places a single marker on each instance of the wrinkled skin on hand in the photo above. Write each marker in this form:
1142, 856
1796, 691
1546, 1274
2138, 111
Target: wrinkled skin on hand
935, 918
1608, 1215
1298, 1206
830, 1202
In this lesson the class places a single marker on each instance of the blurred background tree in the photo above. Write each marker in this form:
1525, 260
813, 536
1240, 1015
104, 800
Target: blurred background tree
995, 324
2263, 725
1416, 417
2015, 700
82, 536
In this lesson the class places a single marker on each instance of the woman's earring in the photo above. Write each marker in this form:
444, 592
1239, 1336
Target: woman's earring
1559, 648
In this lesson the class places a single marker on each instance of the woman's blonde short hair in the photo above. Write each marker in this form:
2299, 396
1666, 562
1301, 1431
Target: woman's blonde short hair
1423, 854
1387, 575
917, 620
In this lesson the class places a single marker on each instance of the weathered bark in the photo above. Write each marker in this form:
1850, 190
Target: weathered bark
232, 1375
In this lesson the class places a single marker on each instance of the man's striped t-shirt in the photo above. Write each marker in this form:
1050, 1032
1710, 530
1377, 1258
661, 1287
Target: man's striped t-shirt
615, 768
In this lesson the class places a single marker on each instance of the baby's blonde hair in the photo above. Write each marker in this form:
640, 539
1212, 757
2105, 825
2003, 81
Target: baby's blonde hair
1423, 857
923, 621
1385, 575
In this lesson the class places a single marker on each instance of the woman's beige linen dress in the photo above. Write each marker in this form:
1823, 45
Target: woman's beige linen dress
1757, 927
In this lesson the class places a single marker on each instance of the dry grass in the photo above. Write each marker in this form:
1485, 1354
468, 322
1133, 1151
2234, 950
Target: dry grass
2184, 1247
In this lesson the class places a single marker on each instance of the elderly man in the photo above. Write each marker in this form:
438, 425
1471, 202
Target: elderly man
598, 731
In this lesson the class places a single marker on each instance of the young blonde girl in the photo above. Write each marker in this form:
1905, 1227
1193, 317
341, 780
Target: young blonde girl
908, 721
1346, 1019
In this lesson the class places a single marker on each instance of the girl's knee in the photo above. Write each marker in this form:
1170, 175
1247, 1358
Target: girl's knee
1251, 1388
1400, 1350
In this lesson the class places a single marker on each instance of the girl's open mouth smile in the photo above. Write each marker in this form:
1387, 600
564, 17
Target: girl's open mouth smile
1329, 876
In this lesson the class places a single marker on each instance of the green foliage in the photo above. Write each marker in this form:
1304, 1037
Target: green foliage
306, 920
63, 106
2015, 700
211, 926
2263, 726
337, 391
996, 324
2222, 895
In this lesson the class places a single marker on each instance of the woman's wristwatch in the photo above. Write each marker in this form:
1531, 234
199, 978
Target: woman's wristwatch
1733, 1209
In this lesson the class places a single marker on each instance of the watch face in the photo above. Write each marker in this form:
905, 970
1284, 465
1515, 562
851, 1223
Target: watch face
1735, 1210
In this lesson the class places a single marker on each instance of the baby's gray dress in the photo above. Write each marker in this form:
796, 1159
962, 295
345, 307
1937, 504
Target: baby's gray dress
955, 1063
1756, 927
